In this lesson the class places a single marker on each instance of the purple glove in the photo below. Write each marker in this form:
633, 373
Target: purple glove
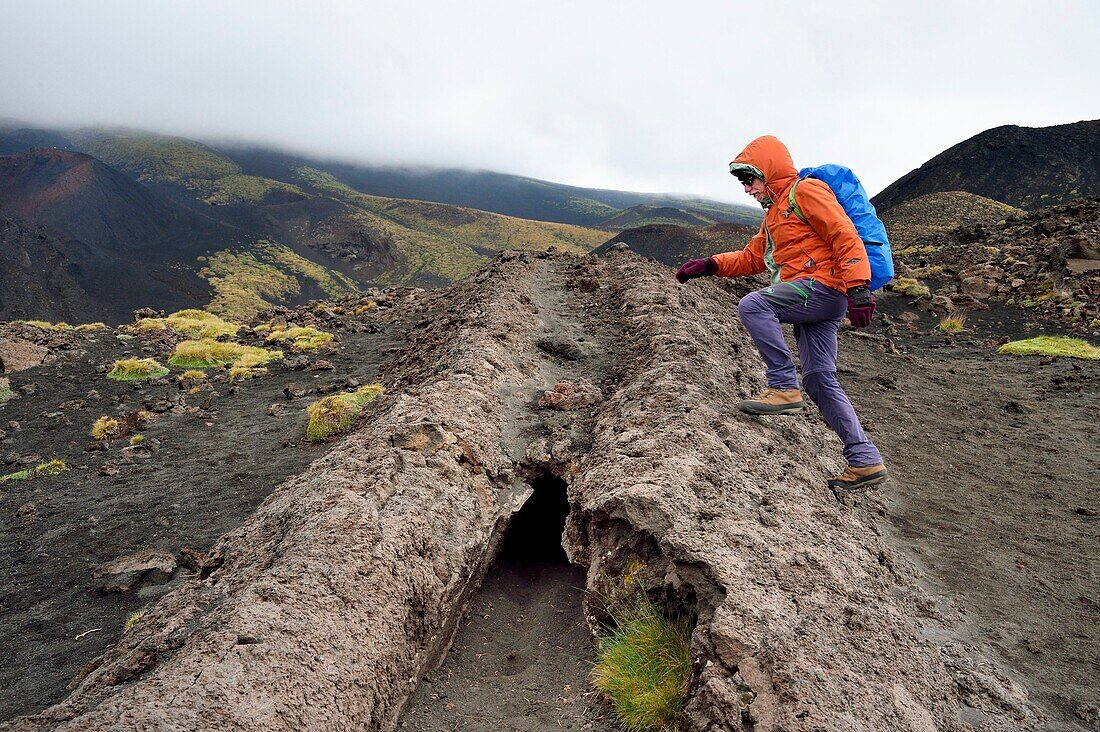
861, 306
693, 268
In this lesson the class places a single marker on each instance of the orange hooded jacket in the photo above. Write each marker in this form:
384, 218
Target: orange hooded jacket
828, 249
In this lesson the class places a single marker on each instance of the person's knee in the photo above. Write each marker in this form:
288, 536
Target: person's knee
752, 304
819, 383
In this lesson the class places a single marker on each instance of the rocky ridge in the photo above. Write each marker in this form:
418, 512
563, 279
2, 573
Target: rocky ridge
325, 608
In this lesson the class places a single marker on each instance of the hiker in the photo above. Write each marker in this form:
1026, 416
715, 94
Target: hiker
819, 271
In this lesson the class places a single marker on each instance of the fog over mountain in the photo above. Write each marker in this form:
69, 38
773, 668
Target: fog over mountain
646, 98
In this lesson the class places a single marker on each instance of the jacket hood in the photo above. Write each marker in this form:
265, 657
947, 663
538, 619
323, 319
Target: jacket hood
771, 157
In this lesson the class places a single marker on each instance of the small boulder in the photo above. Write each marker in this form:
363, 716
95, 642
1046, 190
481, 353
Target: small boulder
134, 570
567, 395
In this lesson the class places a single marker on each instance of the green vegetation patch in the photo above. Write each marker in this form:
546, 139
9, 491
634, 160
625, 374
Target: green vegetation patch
191, 323
162, 159
6, 392
1052, 346
133, 369
134, 618
251, 189
909, 287
250, 281
643, 665
53, 467
334, 414
206, 353
90, 327
303, 338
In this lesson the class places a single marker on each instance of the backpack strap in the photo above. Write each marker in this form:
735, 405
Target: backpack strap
792, 204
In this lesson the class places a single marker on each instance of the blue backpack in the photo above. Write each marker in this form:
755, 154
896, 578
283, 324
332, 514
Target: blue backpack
853, 199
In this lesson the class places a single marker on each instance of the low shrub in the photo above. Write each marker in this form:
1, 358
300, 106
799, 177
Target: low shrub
366, 308
1052, 346
333, 414
193, 374
105, 428
136, 440
206, 353
134, 618
44, 325
5, 390
134, 369
643, 665
53, 467
88, 327
303, 338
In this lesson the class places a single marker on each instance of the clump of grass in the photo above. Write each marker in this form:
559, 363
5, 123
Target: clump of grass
53, 467
643, 665
105, 428
366, 308
953, 323
88, 327
909, 287
303, 338
333, 414
44, 324
134, 618
136, 440
248, 366
5, 390
1052, 346
191, 323
206, 353
193, 374
134, 369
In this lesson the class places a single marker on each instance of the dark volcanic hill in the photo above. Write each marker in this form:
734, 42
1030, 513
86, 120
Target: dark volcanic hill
83, 241
1027, 167
670, 244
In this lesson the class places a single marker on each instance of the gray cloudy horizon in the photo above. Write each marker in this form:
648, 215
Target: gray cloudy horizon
631, 96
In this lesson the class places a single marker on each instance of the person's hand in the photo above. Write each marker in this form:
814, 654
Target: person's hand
693, 268
861, 306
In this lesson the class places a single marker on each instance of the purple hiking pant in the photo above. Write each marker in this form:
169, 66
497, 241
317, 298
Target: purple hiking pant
816, 312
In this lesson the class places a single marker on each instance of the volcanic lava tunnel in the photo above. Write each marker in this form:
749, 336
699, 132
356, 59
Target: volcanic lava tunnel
534, 534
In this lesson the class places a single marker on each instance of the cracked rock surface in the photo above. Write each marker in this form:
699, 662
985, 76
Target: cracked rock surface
326, 608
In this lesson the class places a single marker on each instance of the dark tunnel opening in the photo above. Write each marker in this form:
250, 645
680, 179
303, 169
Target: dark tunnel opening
534, 534
522, 658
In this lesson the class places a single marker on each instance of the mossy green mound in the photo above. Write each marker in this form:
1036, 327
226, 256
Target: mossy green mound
205, 353
252, 189
191, 323
643, 665
53, 467
334, 414
1052, 346
133, 369
909, 287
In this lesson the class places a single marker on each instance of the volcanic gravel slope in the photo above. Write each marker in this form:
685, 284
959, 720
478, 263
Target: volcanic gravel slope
330, 603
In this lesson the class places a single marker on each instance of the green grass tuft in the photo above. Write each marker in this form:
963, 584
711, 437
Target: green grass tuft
105, 428
1052, 346
332, 415
133, 619
191, 323
643, 666
5, 390
304, 339
205, 354
953, 323
134, 369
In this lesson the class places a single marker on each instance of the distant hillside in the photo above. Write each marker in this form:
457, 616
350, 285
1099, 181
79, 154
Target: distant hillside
671, 245
1027, 167
86, 242
646, 215
224, 173
926, 220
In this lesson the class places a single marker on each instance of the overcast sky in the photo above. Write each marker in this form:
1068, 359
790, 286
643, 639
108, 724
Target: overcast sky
653, 96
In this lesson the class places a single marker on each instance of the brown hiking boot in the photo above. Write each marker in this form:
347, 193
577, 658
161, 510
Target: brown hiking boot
864, 477
774, 401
